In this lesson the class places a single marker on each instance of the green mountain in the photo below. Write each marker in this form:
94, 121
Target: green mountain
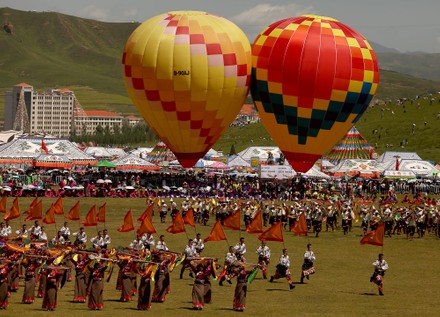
49, 49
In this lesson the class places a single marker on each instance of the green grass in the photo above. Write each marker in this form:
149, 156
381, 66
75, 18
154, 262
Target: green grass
340, 287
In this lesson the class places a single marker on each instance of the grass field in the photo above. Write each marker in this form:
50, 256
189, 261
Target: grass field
340, 287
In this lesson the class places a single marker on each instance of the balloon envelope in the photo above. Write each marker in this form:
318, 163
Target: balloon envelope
312, 78
188, 74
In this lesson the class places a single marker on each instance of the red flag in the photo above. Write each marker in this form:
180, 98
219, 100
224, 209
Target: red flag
189, 218
14, 212
274, 233
178, 225
147, 213
128, 223
217, 233
33, 203
375, 237
233, 221
256, 225
300, 227
58, 207
3, 204
145, 227
50, 216
74, 212
36, 211
100, 217
44, 146
90, 218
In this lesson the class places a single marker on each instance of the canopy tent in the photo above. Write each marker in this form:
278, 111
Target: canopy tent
160, 153
238, 162
133, 162
419, 168
52, 161
352, 146
99, 152
212, 155
106, 164
262, 152
116, 152
22, 152
359, 167
142, 152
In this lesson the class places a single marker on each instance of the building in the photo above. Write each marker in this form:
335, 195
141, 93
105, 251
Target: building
48, 112
86, 121
133, 121
248, 114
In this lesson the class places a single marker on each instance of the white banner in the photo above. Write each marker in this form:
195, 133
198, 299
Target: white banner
276, 171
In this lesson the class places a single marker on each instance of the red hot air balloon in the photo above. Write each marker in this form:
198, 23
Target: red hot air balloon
312, 79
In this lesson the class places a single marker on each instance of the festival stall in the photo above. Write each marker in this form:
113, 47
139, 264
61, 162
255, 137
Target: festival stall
53, 161
132, 162
359, 167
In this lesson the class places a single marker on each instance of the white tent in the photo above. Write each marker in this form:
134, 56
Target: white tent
116, 152
238, 161
359, 166
99, 152
418, 167
391, 156
262, 152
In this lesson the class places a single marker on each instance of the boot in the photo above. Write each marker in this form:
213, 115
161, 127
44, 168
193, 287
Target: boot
291, 286
271, 279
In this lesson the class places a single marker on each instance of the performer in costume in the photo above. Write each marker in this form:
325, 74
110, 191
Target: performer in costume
307, 267
263, 252
30, 265
96, 286
240, 250
126, 266
162, 280
53, 278
80, 292
380, 266
241, 288
227, 272
144, 293
5, 268
283, 269
198, 291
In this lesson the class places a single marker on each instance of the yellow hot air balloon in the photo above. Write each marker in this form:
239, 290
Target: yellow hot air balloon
188, 74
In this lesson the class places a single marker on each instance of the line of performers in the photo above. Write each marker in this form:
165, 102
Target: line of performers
46, 270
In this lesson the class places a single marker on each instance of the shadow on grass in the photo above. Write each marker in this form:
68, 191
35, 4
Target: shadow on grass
277, 290
368, 294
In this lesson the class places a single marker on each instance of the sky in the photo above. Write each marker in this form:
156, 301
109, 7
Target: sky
404, 25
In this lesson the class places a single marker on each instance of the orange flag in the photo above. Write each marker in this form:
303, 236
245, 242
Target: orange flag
100, 217
50, 215
178, 225
147, 213
300, 227
36, 211
33, 203
14, 212
233, 221
256, 225
375, 237
58, 207
128, 223
74, 212
217, 233
189, 218
145, 227
274, 233
3, 204
90, 218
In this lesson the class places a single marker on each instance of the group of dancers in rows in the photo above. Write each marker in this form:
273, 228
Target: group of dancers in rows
45, 270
